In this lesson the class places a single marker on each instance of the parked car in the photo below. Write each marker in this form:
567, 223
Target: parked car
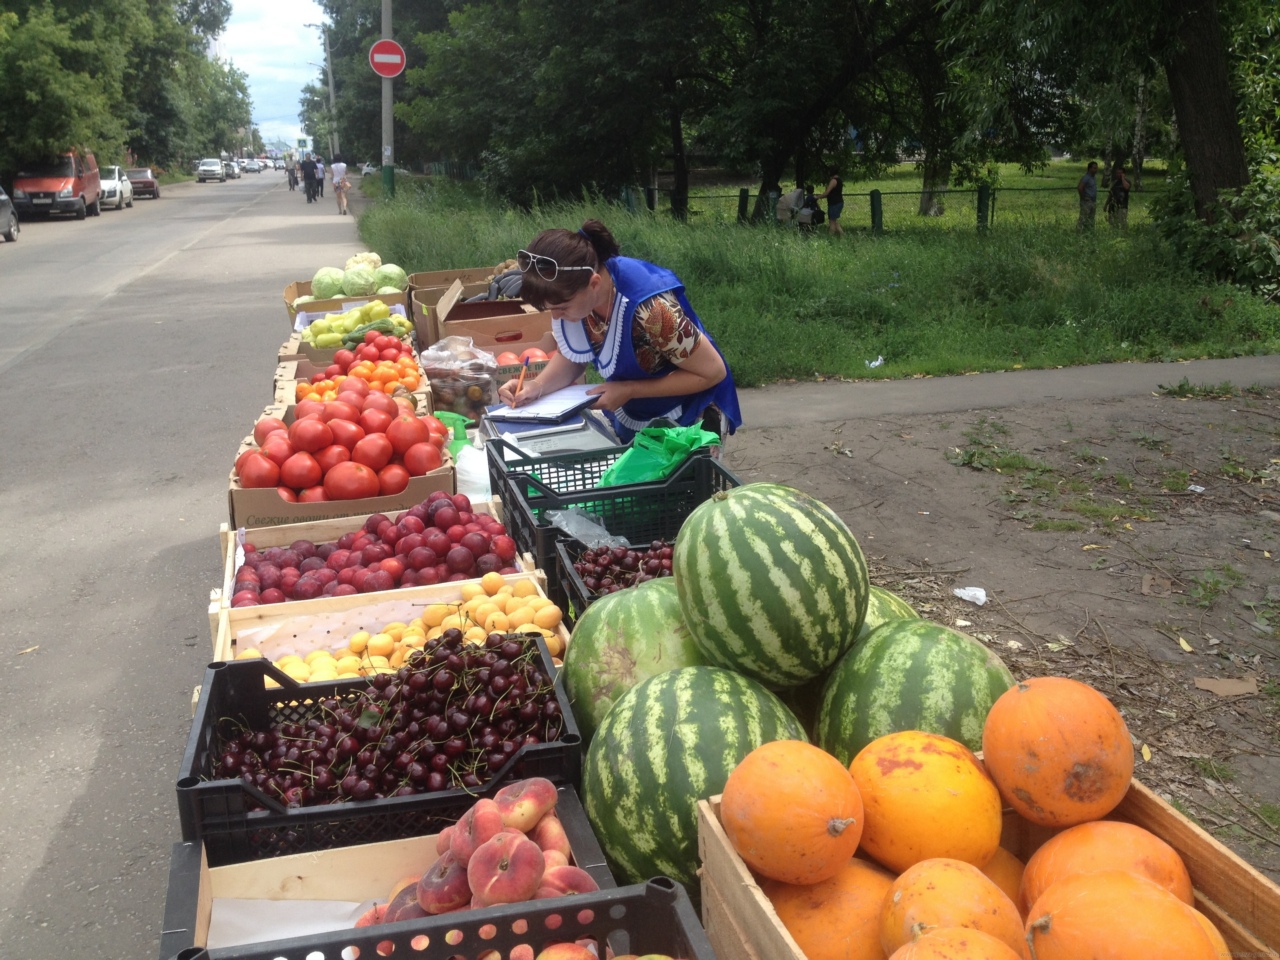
9, 228
252, 166
279, 164
117, 191
212, 169
232, 169
144, 182
66, 183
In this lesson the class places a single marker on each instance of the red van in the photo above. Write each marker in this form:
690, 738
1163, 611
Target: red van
66, 183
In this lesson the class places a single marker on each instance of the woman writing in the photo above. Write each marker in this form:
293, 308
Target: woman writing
631, 321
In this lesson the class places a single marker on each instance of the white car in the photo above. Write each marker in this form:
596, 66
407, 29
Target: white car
211, 169
117, 191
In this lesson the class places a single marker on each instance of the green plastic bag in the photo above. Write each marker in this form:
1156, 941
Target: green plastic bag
655, 453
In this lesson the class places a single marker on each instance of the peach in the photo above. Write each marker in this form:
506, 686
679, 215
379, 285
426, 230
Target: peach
548, 833
444, 887
403, 902
562, 881
566, 951
442, 839
483, 821
554, 858
373, 916
505, 869
524, 802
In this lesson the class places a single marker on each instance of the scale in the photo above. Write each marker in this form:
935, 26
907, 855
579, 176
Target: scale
585, 433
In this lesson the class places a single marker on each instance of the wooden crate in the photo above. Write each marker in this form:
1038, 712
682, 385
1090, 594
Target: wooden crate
1242, 903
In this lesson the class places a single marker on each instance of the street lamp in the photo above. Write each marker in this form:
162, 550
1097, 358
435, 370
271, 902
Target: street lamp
333, 108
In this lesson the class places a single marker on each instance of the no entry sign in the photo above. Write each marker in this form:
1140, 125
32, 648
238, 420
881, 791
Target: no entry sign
387, 58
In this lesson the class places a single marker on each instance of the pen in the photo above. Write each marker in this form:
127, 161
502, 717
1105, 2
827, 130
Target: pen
520, 382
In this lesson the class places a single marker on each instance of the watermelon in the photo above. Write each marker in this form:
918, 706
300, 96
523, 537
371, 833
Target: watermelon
909, 675
884, 605
772, 583
621, 639
669, 742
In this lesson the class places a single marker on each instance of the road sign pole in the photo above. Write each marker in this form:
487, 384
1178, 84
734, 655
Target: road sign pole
388, 134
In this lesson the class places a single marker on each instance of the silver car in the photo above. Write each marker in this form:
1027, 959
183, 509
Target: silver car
117, 191
211, 170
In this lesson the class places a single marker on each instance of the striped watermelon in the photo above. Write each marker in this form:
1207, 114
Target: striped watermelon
771, 582
884, 605
621, 639
909, 675
669, 742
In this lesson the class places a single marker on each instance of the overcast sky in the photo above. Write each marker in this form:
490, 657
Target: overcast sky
266, 40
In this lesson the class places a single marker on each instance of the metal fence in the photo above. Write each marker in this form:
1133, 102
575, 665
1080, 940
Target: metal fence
879, 211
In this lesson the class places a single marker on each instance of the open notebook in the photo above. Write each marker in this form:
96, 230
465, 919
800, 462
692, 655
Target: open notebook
553, 408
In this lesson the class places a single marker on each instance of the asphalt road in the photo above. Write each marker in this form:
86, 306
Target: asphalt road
136, 349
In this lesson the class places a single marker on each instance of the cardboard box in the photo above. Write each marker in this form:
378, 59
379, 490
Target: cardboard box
443, 278
423, 302
302, 288
354, 874
1242, 903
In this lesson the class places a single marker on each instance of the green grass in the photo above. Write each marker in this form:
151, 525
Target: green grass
1212, 584
931, 302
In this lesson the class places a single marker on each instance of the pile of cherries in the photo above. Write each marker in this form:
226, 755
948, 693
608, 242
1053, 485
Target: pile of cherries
610, 569
451, 717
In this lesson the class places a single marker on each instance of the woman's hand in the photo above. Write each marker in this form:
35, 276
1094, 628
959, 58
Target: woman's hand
531, 391
611, 395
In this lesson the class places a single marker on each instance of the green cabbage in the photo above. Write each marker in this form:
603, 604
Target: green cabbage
389, 275
358, 282
382, 291
327, 283
301, 300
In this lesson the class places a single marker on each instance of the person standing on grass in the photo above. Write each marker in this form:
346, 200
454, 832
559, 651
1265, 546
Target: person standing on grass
630, 320
834, 195
338, 173
1088, 190
1118, 199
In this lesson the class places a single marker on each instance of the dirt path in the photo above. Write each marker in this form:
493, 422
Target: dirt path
1133, 544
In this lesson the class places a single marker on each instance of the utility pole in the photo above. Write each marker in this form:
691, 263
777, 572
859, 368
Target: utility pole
388, 134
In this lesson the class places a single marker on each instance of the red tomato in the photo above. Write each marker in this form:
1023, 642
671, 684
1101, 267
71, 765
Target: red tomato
313, 495
310, 434
258, 470
367, 351
434, 424
278, 448
371, 337
405, 405
307, 408
266, 426
507, 359
317, 377
351, 481
392, 479
390, 353
422, 458
533, 355
354, 385
334, 370
374, 420
404, 431
340, 410
380, 401
345, 432
301, 471
331, 456
344, 358
287, 494
373, 451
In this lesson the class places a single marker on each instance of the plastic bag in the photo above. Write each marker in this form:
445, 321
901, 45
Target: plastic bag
585, 527
655, 453
461, 376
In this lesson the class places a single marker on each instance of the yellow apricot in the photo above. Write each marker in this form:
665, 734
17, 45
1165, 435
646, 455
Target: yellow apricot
492, 582
548, 617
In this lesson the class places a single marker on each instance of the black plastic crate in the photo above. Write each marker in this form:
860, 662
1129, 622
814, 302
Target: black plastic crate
559, 483
219, 811
188, 901
653, 917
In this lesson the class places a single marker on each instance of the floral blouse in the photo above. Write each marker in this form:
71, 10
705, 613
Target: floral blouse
661, 333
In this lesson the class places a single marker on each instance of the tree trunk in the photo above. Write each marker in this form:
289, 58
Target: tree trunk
937, 177
679, 168
1204, 104
1139, 133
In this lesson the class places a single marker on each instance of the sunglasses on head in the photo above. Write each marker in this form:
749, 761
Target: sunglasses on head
545, 267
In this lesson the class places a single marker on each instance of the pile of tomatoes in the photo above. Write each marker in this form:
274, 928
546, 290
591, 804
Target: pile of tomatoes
363, 443
533, 354
383, 362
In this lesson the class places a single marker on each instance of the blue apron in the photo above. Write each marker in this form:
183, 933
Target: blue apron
635, 281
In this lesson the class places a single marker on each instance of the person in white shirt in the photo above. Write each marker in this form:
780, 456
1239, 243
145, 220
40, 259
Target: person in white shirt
338, 173
320, 175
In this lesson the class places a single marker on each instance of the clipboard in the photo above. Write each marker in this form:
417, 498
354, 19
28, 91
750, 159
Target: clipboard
554, 408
